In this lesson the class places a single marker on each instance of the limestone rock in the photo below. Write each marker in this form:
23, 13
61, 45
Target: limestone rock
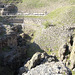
63, 51
34, 60
49, 69
37, 59
72, 56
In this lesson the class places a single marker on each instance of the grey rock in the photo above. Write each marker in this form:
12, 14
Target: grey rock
49, 69
63, 51
37, 59
72, 56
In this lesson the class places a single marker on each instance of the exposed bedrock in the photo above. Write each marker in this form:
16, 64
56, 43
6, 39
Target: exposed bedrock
66, 52
43, 64
12, 53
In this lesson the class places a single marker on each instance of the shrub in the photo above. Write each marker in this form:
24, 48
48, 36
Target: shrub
46, 24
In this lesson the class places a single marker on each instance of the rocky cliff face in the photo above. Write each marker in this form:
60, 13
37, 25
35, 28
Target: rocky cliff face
12, 53
49, 69
67, 52
72, 59
43, 64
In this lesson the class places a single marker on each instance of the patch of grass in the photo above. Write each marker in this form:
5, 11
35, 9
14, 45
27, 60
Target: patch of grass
49, 51
34, 3
19, 16
46, 24
73, 73
62, 16
10, 1
72, 1
56, 13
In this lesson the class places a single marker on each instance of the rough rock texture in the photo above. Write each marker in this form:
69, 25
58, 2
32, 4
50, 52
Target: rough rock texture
49, 69
8, 9
12, 54
9, 40
14, 57
17, 28
67, 52
8, 36
63, 51
37, 59
2, 29
72, 56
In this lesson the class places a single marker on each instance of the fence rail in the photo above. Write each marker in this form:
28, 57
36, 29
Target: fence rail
25, 14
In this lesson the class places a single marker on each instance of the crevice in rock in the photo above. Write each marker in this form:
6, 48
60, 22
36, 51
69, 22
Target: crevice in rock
66, 50
71, 40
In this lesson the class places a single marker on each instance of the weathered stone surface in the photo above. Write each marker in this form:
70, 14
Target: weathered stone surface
49, 69
12, 54
8, 9
9, 40
72, 56
23, 70
14, 57
17, 28
37, 59
63, 51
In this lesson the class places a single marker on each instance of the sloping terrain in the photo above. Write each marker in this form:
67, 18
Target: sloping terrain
54, 30
42, 6
47, 33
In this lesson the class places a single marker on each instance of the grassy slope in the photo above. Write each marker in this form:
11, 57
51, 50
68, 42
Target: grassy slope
64, 15
10, 1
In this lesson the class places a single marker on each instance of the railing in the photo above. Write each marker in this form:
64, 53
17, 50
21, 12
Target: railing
25, 14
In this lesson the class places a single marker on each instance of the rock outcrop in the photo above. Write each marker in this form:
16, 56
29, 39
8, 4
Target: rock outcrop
8, 38
8, 9
14, 57
37, 59
12, 54
63, 51
50, 69
67, 53
72, 56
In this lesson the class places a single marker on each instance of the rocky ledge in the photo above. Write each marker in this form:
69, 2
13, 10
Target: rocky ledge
43, 64
49, 69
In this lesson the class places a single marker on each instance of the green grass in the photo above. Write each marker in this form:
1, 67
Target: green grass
64, 15
72, 1
46, 24
73, 73
10, 1
34, 3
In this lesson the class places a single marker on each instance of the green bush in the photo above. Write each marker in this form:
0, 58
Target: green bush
46, 24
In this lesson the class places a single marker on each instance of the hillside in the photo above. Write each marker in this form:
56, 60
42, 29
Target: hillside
27, 41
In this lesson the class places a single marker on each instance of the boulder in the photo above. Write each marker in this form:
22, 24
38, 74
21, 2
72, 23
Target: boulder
11, 8
52, 68
37, 59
